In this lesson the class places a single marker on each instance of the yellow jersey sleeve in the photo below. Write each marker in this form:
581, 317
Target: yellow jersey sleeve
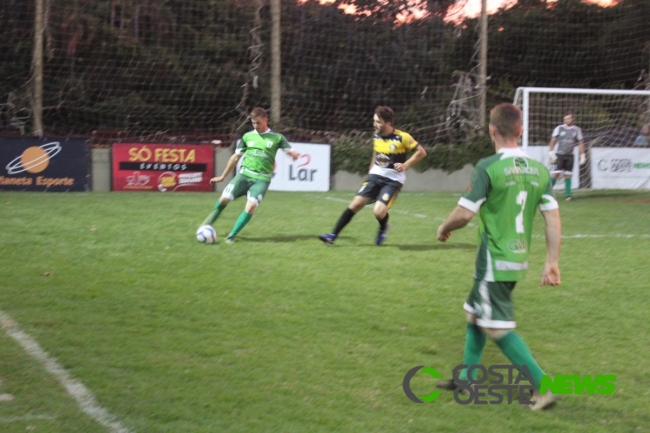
407, 141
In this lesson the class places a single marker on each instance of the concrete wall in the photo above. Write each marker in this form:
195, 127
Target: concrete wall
431, 180
100, 171
438, 180
221, 157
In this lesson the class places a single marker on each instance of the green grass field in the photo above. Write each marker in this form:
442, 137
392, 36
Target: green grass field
280, 333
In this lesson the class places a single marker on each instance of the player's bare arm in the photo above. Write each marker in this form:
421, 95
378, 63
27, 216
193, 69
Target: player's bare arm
551, 146
372, 160
553, 227
457, 219
418, 155
232, 163
292, 153
583, 156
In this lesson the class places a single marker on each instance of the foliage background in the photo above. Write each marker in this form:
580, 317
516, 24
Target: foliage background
189, 70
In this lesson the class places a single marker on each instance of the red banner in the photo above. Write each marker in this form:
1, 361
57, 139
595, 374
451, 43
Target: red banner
162, 167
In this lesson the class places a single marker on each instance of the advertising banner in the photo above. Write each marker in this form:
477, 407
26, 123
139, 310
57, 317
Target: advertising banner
310, 172
620, 168
162, 167
41, 164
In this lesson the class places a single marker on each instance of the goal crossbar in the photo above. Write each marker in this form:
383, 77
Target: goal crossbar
522, 99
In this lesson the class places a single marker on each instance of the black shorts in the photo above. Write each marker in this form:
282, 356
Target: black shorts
564, 164
380, 188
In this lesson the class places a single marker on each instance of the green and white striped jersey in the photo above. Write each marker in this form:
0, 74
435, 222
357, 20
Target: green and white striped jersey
259, 153
505, 190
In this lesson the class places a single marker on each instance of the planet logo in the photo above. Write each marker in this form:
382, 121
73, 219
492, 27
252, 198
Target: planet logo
34, 159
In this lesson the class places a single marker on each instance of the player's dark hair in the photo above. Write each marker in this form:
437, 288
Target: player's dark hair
568, 113
506, 118
385, 113
259, 112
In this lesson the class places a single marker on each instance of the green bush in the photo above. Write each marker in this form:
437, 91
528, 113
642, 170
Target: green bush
352, 153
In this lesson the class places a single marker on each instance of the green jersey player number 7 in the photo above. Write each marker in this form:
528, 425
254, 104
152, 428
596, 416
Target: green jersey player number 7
258, 148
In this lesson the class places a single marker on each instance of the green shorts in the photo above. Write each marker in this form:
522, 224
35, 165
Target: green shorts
242, 184
491, 303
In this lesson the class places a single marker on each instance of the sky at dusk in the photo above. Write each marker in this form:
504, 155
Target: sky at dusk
472, 8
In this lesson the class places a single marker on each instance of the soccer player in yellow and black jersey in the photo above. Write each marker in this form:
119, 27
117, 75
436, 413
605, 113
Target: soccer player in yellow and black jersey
386, 176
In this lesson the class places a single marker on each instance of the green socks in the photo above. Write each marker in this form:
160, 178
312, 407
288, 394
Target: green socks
518, 353
474, 344
567, 185
215, 214
510, 344
243, 219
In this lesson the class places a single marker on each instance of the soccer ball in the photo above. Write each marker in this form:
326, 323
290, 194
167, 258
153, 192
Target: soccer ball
206, 235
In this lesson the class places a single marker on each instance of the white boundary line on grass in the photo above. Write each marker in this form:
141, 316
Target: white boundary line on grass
613, 235
397, 211
85, 399
8, 420
401, 212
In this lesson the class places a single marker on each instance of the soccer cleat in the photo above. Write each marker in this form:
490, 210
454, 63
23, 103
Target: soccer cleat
328, 238
382, 235
230, 240
542, 401
451, 385
569, 198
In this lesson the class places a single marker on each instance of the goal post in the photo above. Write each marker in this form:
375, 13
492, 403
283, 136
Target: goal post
611, 120
544, 106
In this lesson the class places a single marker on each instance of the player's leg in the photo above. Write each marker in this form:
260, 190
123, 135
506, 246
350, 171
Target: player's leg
385, 200
256, 190
358, 202
219, 206
566, 165
497, 322
381, 213
517, 351
555, 173
475, 340
567, 181
552, 168
226, 197
243, 219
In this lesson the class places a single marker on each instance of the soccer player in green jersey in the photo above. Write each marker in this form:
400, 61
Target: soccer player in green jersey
258, 147
505, 191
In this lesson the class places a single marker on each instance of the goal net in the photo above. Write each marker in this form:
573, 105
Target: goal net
192, 70
610, 120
